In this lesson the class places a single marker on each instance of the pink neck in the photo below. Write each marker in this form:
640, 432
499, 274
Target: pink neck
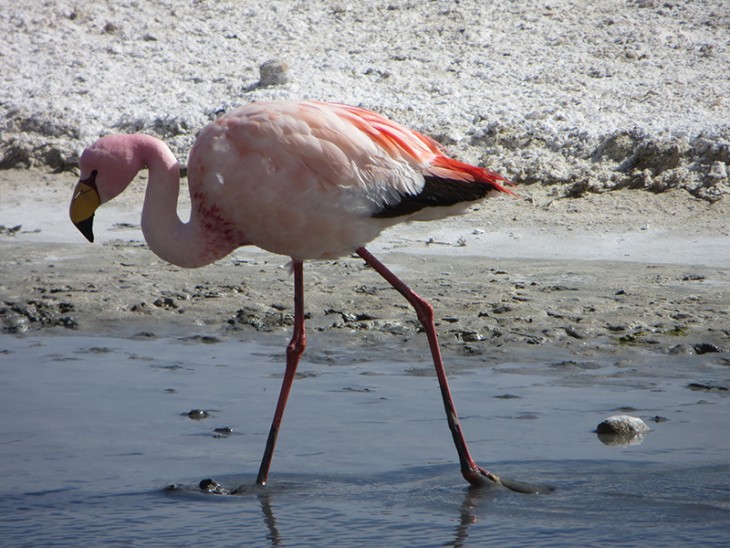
182, 244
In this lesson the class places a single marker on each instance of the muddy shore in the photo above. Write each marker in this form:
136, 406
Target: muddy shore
489, 299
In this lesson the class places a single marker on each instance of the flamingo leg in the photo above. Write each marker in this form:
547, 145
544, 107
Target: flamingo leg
294, 351
473, 473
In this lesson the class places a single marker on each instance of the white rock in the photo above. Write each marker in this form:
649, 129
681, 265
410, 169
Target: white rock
622, 425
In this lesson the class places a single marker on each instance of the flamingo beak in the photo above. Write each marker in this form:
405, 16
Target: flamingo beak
84, 203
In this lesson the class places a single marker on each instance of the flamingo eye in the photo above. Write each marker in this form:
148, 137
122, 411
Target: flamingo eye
91, 179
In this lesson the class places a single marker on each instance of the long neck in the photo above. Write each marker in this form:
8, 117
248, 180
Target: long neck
179, 243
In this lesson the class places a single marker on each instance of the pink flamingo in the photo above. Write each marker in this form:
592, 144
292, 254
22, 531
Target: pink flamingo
304, 179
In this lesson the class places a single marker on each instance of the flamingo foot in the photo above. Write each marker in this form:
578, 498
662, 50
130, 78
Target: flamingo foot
480, 478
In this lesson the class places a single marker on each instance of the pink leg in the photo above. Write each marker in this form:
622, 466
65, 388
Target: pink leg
473, 473
293, 352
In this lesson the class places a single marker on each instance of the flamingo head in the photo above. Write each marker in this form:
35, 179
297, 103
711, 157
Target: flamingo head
107, 168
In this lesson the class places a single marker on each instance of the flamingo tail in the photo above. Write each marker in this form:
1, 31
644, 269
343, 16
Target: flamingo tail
448, 182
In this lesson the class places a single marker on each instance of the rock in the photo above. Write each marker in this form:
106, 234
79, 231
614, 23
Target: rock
211, 486
622, 430
707, 387
681, 349
622, 424
18, 317
222, 432
273, 73
197, 414
706, 348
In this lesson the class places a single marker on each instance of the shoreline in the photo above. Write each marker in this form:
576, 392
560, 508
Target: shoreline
610, 300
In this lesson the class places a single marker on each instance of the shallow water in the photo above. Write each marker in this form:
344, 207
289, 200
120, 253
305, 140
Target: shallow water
94, 428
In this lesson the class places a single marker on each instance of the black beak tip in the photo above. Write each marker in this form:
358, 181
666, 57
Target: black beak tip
86, 227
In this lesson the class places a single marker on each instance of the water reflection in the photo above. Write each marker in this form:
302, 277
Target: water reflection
421, 492
468, 512
468, 515
269, 519
622, 440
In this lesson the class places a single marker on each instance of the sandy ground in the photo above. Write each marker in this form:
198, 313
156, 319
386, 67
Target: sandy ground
612, 120
604, 272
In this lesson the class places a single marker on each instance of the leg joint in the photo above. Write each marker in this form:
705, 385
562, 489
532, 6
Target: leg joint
297, 345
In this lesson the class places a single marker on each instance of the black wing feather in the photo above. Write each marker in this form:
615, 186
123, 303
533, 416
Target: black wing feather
436, 192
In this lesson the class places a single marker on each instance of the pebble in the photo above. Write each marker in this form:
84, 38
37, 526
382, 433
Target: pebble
707, 387
706, 348
222, 432
197, 414
622, 430
273, 73
209, 485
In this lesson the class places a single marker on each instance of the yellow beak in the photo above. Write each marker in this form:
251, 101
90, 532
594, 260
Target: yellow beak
84, 203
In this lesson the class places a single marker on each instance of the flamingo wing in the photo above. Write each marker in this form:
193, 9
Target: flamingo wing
441, 181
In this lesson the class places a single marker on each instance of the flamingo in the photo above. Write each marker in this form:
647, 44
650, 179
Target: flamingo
304, 179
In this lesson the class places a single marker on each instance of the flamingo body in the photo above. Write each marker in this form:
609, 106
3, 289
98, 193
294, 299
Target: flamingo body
305, 179
311, 180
